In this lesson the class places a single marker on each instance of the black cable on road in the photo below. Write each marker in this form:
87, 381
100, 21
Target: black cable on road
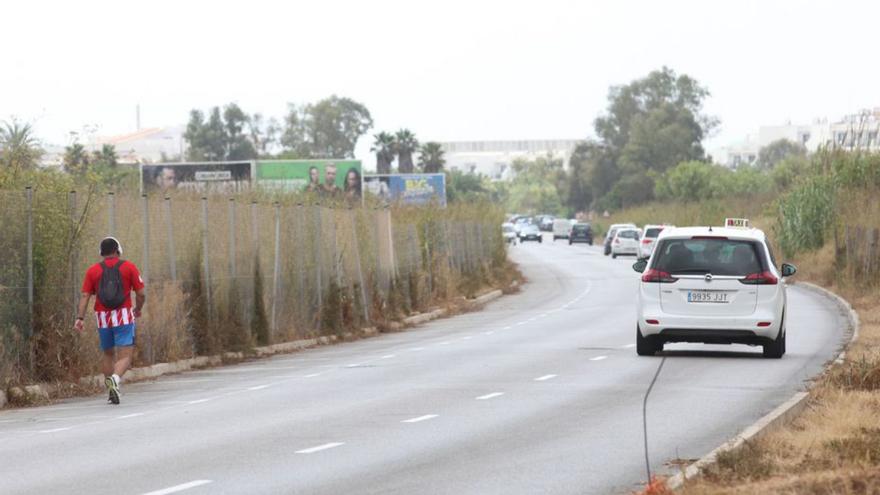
645, 416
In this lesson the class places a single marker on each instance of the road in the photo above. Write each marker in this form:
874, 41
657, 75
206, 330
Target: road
541, 392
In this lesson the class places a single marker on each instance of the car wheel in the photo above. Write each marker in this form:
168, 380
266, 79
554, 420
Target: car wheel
590, 243
646, 346
776, 348
541, 241
614, 256
569, 243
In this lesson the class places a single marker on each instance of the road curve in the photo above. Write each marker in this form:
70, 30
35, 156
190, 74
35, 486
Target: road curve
541, 392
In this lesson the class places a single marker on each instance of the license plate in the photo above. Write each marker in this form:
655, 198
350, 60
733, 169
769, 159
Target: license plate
707, 296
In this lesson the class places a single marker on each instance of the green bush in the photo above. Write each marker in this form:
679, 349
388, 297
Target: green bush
805, 215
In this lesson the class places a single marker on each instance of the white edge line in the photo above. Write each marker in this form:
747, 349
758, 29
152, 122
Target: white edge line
179, 488
198, 401
387, 356
132, 415
545, 377
259, 387
598, 358
312, 450
312, 375
420, 418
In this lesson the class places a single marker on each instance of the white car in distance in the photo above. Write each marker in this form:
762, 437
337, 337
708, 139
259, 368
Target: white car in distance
714, 285
625, 242
649, 240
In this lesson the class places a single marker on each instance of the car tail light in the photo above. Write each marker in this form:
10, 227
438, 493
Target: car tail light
658, 276
616, 240
762, 278
646, 241
764, 323
652, 322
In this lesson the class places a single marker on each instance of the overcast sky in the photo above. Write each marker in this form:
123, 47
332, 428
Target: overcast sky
448, 70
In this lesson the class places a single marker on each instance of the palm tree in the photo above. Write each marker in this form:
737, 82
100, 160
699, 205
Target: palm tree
431, 157
406, 145
19, 149
383, 146
76, 159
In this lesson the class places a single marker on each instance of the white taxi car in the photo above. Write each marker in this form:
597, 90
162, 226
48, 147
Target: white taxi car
716, 285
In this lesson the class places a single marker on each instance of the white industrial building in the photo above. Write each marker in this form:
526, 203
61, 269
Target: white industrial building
494, 158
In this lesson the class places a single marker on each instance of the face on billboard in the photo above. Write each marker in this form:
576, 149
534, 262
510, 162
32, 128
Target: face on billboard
197, 177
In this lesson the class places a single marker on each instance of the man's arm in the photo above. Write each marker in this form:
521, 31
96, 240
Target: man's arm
81, 311
140, 297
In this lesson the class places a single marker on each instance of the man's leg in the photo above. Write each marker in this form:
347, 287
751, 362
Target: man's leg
123, 359
107, 362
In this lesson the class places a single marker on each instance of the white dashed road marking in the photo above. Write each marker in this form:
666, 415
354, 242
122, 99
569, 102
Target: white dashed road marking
420, 418
490, 396
179, 488
132, 415
627, 346
199, 401
56, 430
598, 358
319, 448
545, 378
312, 375
387, 356
258, 387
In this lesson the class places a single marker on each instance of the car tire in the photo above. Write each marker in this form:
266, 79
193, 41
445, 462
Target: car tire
614, 256
590, 243
776, 348
541, 240
646, 346
569, 243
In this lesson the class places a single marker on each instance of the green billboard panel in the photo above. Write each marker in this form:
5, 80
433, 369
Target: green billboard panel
324, 177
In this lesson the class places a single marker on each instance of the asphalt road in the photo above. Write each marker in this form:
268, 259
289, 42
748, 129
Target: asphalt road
541, 392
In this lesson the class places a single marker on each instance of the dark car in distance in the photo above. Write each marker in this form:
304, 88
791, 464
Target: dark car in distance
581, 232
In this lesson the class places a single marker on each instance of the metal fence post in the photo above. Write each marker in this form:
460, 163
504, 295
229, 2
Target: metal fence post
232, 238
172, 258
206, 259
74, 253
318, 263
111, 213
145, 273
29, 196
429, 261
391, 245
276, 268
357, 257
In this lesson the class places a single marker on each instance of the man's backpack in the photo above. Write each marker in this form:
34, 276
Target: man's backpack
110, 291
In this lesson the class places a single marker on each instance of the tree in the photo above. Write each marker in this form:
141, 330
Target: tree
779, 150
405, 144
106, 156
329, 128
537, 186
431, 159
19, 149
263, 133
225, 135
651, 125
687, 181
580, 194
383, 146
462, 187
76, 159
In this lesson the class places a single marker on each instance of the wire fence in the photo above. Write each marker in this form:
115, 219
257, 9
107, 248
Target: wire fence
225, 273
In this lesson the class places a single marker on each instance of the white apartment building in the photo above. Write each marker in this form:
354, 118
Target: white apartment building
494, 158
855, 131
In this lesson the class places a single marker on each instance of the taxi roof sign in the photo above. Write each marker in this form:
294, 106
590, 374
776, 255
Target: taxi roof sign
739, 223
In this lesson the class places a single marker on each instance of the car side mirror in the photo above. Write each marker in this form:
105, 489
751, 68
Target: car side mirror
788, 269
640, 265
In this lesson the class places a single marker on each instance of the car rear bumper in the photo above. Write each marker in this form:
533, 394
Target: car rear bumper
716, 329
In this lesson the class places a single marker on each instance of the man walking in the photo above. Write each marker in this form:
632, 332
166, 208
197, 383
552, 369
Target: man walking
112, 281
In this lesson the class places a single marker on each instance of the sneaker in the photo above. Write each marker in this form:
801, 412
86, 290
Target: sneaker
113, 387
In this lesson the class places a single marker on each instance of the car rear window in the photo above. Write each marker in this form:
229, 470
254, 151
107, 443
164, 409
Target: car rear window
580, 228
715, 256
628, 234
653, 232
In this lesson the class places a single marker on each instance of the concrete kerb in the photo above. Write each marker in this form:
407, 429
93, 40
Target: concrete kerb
42, 392
782, 414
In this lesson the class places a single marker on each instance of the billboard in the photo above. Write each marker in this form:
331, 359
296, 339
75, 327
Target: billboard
411, 189
324, 177
201, 177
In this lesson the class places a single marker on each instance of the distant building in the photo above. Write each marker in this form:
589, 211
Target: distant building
151, 145
494, 158
855, 131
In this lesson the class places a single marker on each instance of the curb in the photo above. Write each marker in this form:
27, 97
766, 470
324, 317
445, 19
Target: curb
43, 392
782, 414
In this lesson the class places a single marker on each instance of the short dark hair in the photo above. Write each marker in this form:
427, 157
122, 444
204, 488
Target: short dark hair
109, 246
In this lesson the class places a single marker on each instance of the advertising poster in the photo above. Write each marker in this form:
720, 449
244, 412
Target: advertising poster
410, 189
202, 177
335, 178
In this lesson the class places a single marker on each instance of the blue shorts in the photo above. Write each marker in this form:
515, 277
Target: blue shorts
121, 336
